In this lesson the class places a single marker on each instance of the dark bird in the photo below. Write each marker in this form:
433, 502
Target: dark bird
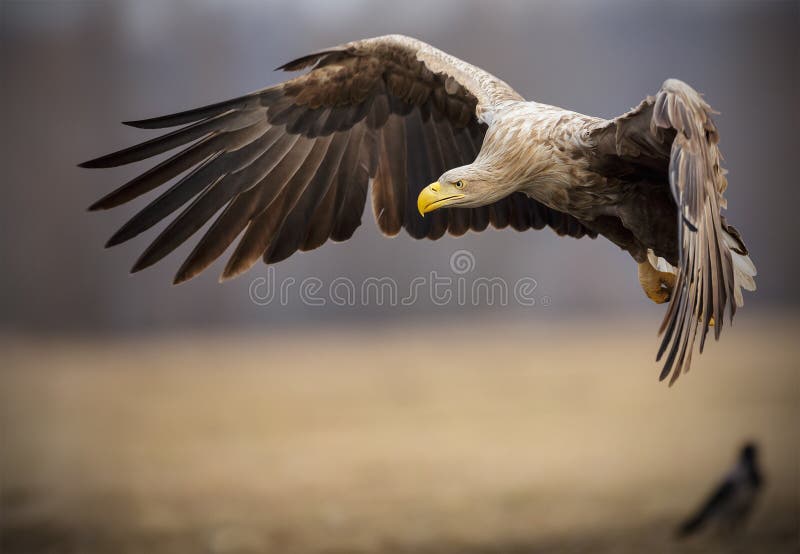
288, 167
730, 504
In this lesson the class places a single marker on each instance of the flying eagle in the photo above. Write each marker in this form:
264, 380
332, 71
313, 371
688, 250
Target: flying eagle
289, 168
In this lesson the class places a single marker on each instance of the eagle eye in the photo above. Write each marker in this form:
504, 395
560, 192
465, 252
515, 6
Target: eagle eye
459, 184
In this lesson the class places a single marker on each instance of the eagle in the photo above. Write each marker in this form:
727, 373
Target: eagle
289, 167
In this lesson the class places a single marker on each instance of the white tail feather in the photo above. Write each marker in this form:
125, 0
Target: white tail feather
744, 271
660, 263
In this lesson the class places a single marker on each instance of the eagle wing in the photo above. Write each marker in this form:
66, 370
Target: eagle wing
288, 167
674, 134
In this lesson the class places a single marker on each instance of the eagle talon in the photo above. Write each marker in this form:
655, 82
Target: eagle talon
657, 285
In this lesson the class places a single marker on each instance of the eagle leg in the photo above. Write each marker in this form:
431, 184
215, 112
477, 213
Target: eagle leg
657, 285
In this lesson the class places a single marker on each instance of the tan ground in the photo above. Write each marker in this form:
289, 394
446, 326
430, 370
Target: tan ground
539, 437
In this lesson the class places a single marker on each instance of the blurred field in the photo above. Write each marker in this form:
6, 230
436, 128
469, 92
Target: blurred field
449, 436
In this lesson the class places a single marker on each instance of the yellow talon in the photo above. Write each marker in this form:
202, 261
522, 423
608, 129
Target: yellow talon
657, 285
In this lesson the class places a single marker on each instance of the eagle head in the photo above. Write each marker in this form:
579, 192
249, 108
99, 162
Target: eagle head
469, 186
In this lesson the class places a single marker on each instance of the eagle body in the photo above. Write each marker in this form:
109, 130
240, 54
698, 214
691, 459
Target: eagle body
558, 168
291, 166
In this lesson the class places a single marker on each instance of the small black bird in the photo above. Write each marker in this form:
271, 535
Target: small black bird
732, 501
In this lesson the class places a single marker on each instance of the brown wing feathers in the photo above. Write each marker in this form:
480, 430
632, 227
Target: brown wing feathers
390, 185
293, 229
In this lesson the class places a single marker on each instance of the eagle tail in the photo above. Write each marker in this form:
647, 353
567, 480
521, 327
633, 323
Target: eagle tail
744, 271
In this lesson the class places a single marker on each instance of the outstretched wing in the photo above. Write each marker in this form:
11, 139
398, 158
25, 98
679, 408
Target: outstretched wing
675, 135
288, 167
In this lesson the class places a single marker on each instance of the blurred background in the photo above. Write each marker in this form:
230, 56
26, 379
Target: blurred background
138, 415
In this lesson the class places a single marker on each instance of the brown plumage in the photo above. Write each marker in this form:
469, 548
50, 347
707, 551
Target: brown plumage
289, 168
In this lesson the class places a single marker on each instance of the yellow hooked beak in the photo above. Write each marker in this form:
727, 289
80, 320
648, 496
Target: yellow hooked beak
432, 198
